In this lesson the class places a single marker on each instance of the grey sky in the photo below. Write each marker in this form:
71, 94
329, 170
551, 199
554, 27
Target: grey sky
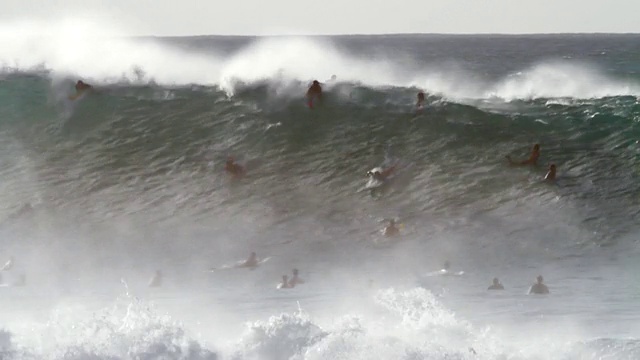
244, 17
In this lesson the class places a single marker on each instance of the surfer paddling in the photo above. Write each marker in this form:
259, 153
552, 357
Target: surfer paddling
381, 174
233, 167
532, 160
391, 229
314, 92
551, 173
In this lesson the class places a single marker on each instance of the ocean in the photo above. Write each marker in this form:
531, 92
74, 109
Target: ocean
99, 193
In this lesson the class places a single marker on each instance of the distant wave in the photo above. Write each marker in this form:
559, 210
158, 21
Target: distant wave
84, 50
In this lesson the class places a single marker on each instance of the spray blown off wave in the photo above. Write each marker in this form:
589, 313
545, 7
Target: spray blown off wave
86, 50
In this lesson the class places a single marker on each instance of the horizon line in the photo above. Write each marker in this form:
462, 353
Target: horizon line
394, 34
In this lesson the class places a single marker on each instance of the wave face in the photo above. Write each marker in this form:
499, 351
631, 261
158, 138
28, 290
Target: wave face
129, 179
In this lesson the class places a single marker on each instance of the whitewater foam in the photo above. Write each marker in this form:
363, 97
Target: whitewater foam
84, 49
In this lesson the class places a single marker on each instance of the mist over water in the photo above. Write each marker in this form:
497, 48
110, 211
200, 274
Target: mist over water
99, 193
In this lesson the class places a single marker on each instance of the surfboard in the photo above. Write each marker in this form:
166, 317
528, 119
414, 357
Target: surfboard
239, 265
444, 272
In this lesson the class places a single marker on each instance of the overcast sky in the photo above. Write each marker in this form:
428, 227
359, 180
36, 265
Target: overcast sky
246, 17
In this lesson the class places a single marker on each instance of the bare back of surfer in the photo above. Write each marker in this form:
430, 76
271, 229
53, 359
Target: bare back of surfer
420, 102
314, 92
81, 87
233, 167
384, 174
551, 174
532, 160
391, 229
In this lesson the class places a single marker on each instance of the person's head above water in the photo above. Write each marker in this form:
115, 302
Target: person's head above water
295, 271
447, 265
536, 147
539, 279
496, 281
316, 82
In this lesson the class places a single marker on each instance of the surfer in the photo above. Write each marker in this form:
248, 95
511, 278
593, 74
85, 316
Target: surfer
420, 102
391, 229
285, 283
252, 261
295, 280
539, 287
446, 266
532, 160
496, 285
315, 91
82, 86
381, 174
551, 174
233, 167
156, 280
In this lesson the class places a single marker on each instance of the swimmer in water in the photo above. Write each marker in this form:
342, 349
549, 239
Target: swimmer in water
315, 91
156, 280
551, 174
285, 283
391, 229
295, 280
252, 261
539, 287
446, 266
496, 285
532, 160
233, 167
382, 175
420, 102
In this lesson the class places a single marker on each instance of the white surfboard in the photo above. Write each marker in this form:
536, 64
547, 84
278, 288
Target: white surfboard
239, 265
444, 272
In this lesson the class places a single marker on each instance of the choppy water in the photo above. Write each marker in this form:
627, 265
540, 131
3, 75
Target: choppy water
100, 192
